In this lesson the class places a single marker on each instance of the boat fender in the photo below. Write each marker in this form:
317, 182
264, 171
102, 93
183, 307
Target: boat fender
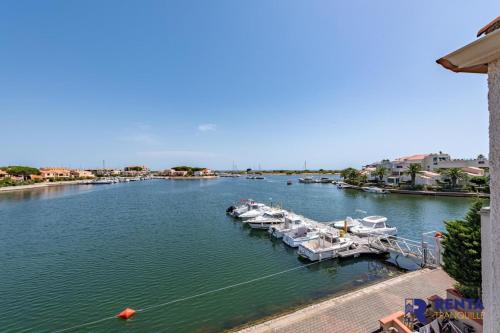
126, 314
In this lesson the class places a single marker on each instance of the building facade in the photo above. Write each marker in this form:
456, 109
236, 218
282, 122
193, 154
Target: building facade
55, 173
430, 164
82, 174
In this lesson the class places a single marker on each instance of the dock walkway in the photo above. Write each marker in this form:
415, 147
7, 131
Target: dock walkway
359, 311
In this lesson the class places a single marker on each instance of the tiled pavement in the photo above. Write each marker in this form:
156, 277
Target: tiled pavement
359, 311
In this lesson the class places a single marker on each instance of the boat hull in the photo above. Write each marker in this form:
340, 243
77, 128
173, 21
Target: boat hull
262, 225
295, 242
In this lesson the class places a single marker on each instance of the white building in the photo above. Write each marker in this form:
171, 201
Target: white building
430, 165
482, 56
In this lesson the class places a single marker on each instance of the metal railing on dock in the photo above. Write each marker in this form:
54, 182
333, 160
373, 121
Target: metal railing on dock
426, 252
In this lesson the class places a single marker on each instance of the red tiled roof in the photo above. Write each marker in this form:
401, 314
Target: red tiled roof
493, 25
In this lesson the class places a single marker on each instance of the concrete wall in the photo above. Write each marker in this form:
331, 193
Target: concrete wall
490, 233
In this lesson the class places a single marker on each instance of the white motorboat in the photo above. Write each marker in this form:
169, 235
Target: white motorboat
300, 235
373, 225
349, 222
292, 222
326, 246
254, 210
373, 189
343, 185
307, 180
266, 220
102, 181
242, 207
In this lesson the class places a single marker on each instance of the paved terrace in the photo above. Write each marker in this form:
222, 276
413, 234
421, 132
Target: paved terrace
359, 311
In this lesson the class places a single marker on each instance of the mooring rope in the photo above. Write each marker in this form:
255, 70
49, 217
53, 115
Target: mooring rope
189, 297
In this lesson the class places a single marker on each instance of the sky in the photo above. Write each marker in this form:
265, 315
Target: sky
261, 82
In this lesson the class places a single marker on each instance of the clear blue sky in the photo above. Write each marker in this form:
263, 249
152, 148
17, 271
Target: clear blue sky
162, 83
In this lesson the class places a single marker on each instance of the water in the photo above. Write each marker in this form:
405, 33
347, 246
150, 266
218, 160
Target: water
75, 254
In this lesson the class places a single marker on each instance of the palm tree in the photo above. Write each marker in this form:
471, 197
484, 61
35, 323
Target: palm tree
454, 174
413, 169
381, 171
350, 174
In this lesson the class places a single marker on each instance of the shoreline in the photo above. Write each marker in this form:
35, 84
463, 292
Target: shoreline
7, 189
191, 178
442, 194
428, 193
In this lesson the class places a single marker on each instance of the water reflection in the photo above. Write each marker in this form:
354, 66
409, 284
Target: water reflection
47, 192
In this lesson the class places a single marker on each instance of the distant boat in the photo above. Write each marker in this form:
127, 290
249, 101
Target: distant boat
307, 180
289, 182
374, 190
343, 185
103, 181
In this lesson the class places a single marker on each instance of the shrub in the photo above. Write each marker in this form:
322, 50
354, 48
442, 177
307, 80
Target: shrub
462, 251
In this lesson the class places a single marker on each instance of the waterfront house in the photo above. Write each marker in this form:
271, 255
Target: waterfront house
55, 173
175, 173
482, 56
81, 174
135, 171
3, 174
203, 173
179, 173
427, 178
430, 163
105, 172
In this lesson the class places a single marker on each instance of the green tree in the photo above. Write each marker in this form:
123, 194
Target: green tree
350, 175
454, 174
413, 169
381, 171
462, 251
21, 171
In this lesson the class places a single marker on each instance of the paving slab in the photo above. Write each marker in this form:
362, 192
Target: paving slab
360, 310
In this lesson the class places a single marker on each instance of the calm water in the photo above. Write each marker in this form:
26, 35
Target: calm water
74, 254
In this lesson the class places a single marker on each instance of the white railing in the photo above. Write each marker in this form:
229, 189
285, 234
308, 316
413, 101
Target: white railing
422, 251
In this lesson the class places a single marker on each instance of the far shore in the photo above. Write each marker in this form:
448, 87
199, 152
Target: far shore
42, 185
191, 178
431, 193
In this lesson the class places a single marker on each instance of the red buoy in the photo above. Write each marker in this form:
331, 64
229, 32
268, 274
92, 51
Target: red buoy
126, 314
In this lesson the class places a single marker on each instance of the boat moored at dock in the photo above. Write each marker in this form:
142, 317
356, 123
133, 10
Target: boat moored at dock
267, 220
254, 210
292, 222
373, 225
373, 189
300, 235
348, 223
326, 246
343, 185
